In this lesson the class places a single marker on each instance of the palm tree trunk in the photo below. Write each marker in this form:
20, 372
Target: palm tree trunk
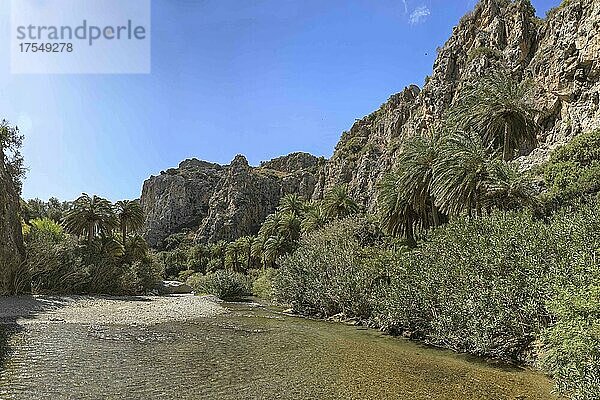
124, 234
506, 149
436, 215
90, 234
410, 233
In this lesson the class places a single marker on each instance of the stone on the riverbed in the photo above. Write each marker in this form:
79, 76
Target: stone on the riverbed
173, 287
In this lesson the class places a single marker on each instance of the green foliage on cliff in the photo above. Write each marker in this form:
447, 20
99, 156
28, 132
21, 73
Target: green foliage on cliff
573, 172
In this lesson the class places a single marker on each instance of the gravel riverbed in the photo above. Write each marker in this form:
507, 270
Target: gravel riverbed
107, 309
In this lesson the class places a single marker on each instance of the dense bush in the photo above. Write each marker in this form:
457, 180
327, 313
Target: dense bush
224, 284
57, 263
572, 344
478, 286
262, 285
573, 171
332, 271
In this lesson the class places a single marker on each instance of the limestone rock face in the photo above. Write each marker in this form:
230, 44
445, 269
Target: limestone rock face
559, 54
11, 239
178, 198
223, 202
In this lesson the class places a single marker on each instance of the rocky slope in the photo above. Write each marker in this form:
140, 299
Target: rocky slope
560, 54
223, 202
11, 240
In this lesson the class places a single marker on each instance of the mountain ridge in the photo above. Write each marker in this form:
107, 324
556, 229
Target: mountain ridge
559, 53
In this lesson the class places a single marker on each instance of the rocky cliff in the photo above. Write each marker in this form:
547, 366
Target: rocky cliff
223, 202
560, 54
11, 240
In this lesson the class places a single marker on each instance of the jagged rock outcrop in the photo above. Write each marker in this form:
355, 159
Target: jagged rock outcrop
223, 202
11, 239
560, 54
178, 198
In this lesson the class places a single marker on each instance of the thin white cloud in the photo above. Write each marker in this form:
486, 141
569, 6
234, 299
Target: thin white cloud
405, 6
419, 15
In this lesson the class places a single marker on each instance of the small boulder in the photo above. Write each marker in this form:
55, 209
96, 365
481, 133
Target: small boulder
173, 287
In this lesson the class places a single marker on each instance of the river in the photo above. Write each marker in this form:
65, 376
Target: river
247, 352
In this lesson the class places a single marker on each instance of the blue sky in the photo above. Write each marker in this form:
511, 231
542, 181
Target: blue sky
261, 78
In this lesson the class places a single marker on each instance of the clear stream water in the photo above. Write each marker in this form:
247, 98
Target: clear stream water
250, 352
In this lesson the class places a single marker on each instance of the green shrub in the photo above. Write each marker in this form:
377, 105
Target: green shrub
58, 264
476, 285
184, 275
573, 171
224, 284
262, 286
331, 272
46, 226
572, 345
140, 276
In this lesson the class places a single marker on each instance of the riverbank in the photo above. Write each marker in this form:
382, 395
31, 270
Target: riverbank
107, 310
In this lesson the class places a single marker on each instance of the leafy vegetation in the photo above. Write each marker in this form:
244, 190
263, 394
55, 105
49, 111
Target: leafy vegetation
573, 172
328, 273
11, 141
572, 345
88, 256
224, 284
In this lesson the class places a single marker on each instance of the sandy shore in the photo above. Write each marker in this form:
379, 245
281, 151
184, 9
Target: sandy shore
106, 310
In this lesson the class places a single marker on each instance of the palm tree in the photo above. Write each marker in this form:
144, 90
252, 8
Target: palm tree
136, 248
338, 204
396, 210
218, 251
258, 249
271, 225
289, 227
509, 188
245, 245
460, 174
314, 218
130, 216
90, 216
292, 204
274, 247
415, 162
500, 109
233, 256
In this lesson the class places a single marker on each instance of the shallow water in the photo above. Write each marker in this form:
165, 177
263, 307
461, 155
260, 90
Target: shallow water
249, 353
